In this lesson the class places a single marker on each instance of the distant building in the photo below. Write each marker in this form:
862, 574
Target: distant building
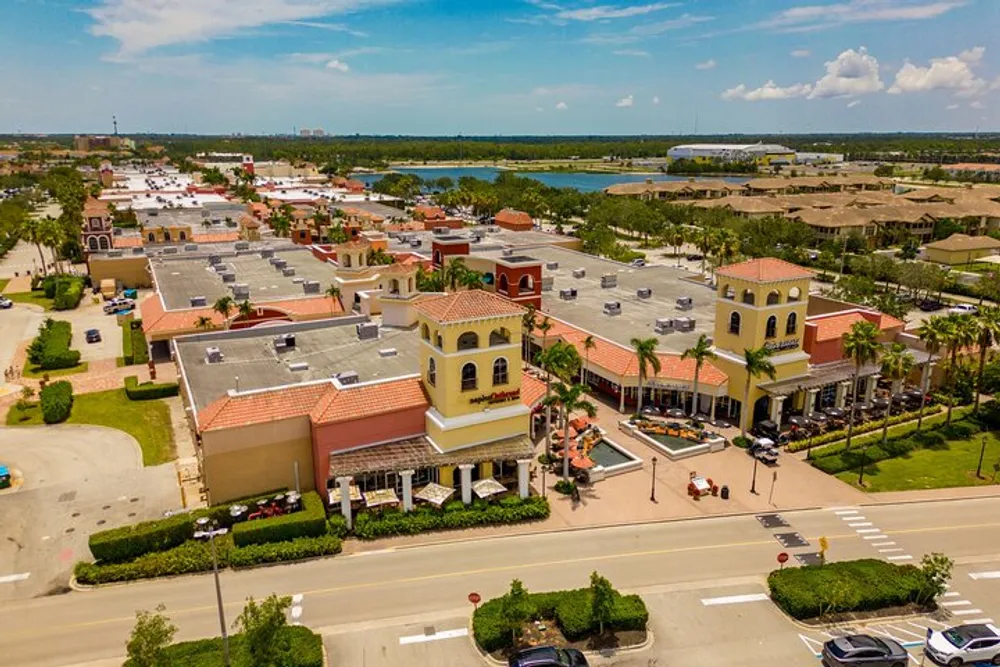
319, 132
97, 231
305, 132
515, 221
979, 172
961, 249
818, 158
763, 154
84, 143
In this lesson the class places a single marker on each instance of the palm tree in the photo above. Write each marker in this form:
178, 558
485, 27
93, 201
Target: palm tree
453, 272
704, 240
471, 279
988, 324
727, 247
934, 333
223, 306
964, 333
51, 235
897, 364
204, 323
589, 343
645, 352
562, 361
701, 352
245, 309
862, 347
334, 293
31, 231
569, 399
676, 236
528, 324
756, 363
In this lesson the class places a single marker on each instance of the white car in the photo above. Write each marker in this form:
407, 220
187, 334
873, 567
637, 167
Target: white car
963, 309
964, 644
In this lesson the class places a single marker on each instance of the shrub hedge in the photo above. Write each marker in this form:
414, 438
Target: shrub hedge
337, 525
571, 610
50, 349
127, 355
305, 649
56, 401
860, 585
140, 349
149, 390
370, 526
310, 521
68, 292
874, 425
277, 552
190, 556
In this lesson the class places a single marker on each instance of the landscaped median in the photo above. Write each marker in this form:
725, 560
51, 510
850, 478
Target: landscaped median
304, 649
453, 516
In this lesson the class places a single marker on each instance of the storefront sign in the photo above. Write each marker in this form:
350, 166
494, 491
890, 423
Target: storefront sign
497, 397
783, 345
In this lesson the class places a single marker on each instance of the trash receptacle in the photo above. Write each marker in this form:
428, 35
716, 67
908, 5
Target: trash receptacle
724, 492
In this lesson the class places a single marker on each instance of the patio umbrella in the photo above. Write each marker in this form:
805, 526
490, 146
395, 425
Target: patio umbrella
818, 417
914, 395
676, 413
801, 422
484, 488
880, 403
862, 407
580, 423
583, 462
836, 413
381, 497
355, 494
434, 493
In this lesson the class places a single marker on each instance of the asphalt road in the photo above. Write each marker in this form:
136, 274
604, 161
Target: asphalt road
354, 600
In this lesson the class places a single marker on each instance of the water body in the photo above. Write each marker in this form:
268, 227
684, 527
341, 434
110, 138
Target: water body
583, 182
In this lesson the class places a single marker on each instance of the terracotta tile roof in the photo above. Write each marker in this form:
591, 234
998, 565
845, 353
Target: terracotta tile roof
765, 270
95, 207
965, 242
261, 407
532, 390
398, 267
509, 215
372, 400
354, 245
156, 320
834, 327
471, 305
429, 212
128, 241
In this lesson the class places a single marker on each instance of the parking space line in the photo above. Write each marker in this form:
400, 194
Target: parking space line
967, 612
444, 634
904, 630
812, 649
734, 599
884, 633
11, 578
979, 621
985, 575
956, 603
903, 557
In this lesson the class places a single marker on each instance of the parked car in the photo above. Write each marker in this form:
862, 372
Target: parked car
694, 257
6, 303
963, 309
863, 650
638, 263
93, 335
965, 643
929, 305
766, 429
548, 656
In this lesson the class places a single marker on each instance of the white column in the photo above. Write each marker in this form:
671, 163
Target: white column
407, 490
621, 399
345, 499
870, 383
897, 386
466, 471
810, 405
711, 414
522, 477
776, 404
841, 396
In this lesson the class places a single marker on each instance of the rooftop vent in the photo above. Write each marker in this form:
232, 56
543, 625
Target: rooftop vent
241, 291
664, 325
190, 247
267, 253
213, 355
280, 264
347, 378
507, 252
214, 259
242, 245
609, 280
284, 342
138, 250
547, 283
219, 268
579, 273
387, 352
493, 229
198, 301
644, 292
298, 280
441, 231
416, 243
567, 294
228, 277
310, 287
685, 303
298, 366
551, 266
288, 271
612, 308
684, 324
170, 250
367, 330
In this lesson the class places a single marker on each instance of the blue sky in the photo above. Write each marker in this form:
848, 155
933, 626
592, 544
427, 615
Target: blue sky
484, 67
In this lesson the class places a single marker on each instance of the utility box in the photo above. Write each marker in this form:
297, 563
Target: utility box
366, 330
310, 287
267, 253
579, 273
552, 266
288, 271
644, 292
567, 294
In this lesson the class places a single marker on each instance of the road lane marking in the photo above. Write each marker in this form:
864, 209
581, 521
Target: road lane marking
11, 578
883, 544
903, 557
812, 649
862, 524
967, 612
979, 621
843, 510
734, 599
865, 531
444, 634
956, 603
985, 575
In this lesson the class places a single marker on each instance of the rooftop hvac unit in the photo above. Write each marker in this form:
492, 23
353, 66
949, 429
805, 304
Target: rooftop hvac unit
609, 280
284, 342
507, 252
198, 301
280, 264
228, 277
288, 271
612, 308
367, 330
493, 229
214, 259
273, 260
416, 243
441, 231
664, 325
267, 253
685, 303
114, 253
213, 355
347, 378
241, 291
298, 280
138, 250
219, 268
170, 250
551, 266
547, 283
579, 273
684, 324
117, 231
644, 292
242, 245
279, 343
190, 247
387, 352
310, 287
298, 366
567, 294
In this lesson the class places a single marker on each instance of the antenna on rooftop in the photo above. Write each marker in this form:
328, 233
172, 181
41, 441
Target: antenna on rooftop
114, 120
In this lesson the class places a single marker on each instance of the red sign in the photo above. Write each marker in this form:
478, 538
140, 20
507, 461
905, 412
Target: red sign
474, 598
497, 397
782, 558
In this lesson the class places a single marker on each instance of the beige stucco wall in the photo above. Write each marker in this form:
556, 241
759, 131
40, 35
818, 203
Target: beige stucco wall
953, 257
127, 271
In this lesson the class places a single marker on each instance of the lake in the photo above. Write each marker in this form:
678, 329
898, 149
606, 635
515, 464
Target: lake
583, 182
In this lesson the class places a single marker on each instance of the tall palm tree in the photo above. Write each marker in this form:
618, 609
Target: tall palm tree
245, 309
645, 352
934, 333
704, 239
562, 361
569, 399
964, 333
727, 247
31, 231
204, 323
589, 343
333, 292
676, 236
471, 279
700, 352
224, 305
51, 235
862, 347
897, 364
988, 325
756, 363
528, 324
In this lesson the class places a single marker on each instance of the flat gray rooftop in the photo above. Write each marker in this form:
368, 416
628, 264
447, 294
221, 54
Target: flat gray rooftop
638, 316
328, 347
373, 207
182, 278
490, 241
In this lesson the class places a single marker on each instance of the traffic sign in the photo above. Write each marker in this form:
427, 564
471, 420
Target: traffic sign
475, 599
782, 559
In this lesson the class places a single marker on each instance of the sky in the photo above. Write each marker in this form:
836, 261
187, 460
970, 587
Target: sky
499, 67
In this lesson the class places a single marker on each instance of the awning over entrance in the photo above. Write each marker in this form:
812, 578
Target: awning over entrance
416, 453
818, 376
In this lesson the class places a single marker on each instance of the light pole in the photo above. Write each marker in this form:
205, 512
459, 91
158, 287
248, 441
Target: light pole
652, 488
208, 530
861, 475
982, 453
753, 482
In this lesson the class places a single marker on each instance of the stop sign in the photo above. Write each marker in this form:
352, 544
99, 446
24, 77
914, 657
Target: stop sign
782, 558
474, 598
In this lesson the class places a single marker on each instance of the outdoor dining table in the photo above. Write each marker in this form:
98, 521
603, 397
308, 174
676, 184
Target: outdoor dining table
818, 417
801, 422
914, 395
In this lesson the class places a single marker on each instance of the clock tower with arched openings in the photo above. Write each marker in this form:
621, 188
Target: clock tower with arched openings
760, 303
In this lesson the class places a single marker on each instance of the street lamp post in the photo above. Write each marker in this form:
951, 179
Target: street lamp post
209, 530
652, 489
982, 453
753, 482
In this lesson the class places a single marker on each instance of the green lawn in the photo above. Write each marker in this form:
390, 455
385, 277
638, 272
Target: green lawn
36, 372
953, 464
36, 297
146, 421
977, 267
3, 283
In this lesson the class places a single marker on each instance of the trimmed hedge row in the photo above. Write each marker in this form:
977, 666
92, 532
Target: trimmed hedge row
370, 526
305, 649
861, 429
56, 401
859, 585
50, 349
140, 348
127, 355
68, 292
571, 610
277, 552
190, 556
310, 521
149, 390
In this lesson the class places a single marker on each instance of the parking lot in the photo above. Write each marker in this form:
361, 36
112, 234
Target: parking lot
90, 315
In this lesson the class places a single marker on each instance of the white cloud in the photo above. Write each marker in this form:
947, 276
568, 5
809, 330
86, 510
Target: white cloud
949, 73
708, 64
809, 18
142, 25
853, 103
605, 12
540, 109
333, 27
951, 107
851, 73
637, 53
562, 106
625, 102
769, 91
680, 23
656, 100
976, 104
338, 65
800, 53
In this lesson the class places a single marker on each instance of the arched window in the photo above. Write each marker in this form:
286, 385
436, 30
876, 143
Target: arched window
499, 337
728, 292
393, 286
734, 324
526, 284
794, 294
503, 284
92, 242
791, 324
439, 342
431, 372
772, 327
166, 235
469, 377
499, 372
425, 332
409, 283
773, 298
347, 261
748, 297
183, 236
103, 242
468, 341
151, 237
